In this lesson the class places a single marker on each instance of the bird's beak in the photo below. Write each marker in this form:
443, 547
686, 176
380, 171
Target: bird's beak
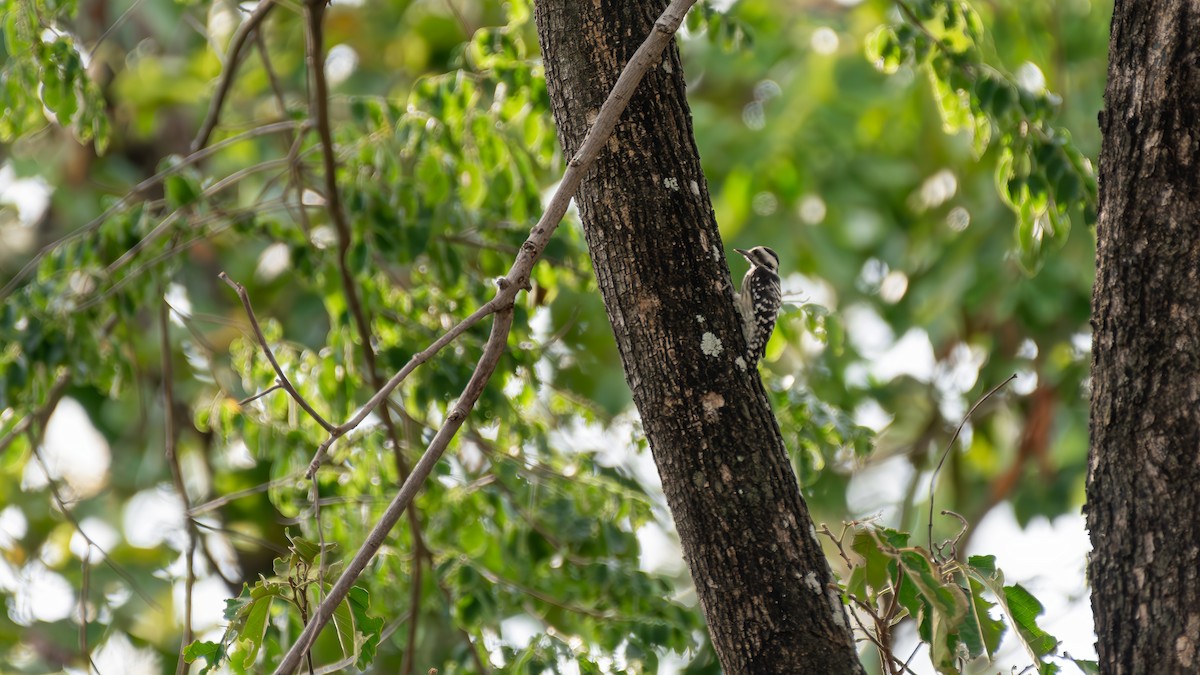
745, 254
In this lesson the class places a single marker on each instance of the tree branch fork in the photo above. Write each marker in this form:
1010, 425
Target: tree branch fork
500, 307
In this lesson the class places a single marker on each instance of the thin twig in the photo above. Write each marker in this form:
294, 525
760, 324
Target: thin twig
86, 573
213, 505
246, 401
232, 61
261, 42
111, 29
320, 106
414, 609
171, 437
262, 341
189, 585
141, 187
52, 484
333, 203
242, 536
950, 445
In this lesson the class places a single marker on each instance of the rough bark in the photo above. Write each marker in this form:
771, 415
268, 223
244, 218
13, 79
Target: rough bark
764, 584
1144, 470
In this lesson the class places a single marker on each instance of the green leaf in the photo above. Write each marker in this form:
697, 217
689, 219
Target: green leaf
946, 598
474, 538
343, 623
181, 190
211, 652
250, 637
953, 103
309, 550
883, 50
879, 567
1020, 608
370, 627
980, 632
434, 183
1025, 609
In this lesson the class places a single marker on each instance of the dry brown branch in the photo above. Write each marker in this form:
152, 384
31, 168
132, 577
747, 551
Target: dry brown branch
232, 61
170, 441
518, 276
494, 349
138, 189
320, 109
501, 305
950, 445
262, 342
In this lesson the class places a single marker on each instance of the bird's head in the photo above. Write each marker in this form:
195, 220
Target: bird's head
761, 256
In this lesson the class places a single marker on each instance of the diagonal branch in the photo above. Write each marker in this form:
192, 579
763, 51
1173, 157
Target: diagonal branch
508, 287
494, 349
262, 341
518, 276
232, 61
319, 106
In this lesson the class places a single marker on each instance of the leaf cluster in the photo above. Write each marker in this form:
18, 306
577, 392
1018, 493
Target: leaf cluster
962, 611
44, 80
298, 581
1041, 175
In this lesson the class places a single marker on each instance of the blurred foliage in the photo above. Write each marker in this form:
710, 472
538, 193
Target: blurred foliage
910, 162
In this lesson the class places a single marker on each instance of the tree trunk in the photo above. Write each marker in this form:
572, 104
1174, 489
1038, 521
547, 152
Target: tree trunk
766, 589
1144, 475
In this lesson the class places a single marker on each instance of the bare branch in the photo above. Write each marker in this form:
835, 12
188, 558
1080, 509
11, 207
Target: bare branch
516, 280
251, 399
946, 452
262, 341
129, 11
362, 322
232, 61
261, 43
141, 187
171, 437
213, 505
414, 608
492, 352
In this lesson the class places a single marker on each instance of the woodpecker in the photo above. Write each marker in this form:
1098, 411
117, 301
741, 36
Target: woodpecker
758, 300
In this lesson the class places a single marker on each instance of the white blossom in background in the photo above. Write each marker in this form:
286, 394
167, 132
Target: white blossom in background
74, 452
340, 64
